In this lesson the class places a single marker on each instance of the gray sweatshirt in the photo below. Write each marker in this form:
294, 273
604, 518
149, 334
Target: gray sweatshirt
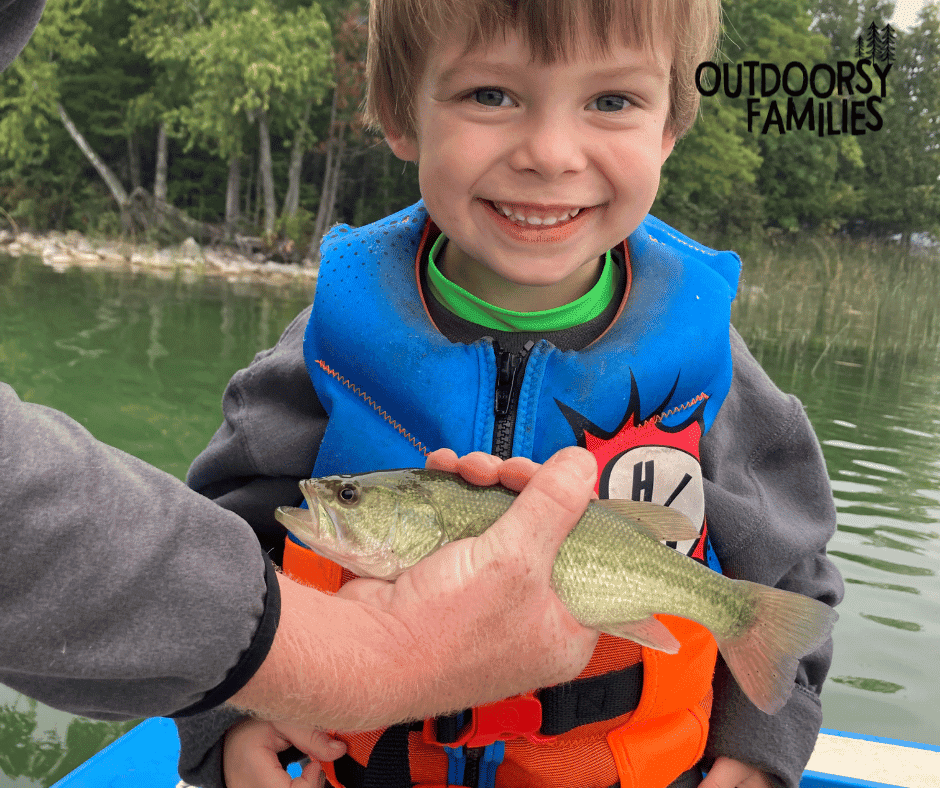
769, 507
109, 607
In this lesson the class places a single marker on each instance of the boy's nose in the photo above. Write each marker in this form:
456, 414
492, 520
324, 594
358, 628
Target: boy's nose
550, 146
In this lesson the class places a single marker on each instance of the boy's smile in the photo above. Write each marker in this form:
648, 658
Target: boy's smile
534, 170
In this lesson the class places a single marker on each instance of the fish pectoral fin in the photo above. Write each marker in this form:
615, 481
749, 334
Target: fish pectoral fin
658, 522
648, 632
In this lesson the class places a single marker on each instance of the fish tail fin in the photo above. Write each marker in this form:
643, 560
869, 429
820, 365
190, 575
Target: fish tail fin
764, 658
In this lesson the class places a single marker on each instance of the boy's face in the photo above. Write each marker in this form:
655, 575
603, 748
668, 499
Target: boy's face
570, 151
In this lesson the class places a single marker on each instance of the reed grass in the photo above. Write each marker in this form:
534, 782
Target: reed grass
840, 302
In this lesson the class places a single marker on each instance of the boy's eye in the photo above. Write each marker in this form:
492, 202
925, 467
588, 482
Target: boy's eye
491, 97
611, 103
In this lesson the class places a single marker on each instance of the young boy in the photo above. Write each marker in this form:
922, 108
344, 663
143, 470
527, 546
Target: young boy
529, 303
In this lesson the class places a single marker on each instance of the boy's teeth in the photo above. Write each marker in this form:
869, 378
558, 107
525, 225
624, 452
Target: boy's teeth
519, 216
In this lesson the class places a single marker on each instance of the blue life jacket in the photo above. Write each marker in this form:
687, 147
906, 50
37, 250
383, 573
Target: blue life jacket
639, 397
396, 388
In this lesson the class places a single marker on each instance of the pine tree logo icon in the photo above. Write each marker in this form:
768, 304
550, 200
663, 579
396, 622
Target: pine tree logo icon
877, 44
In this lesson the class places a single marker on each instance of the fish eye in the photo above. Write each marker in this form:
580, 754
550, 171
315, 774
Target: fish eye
348, 494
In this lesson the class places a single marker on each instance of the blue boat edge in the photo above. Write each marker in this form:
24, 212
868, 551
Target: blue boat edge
147, 756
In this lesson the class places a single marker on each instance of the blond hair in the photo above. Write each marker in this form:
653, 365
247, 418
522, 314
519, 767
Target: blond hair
402, 33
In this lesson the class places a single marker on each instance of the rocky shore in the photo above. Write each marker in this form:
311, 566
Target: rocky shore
62, 251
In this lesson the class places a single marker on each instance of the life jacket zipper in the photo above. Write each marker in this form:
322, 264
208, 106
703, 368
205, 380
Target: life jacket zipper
471, 775
510, 370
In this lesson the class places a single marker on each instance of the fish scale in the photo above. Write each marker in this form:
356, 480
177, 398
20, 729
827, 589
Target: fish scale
612, 572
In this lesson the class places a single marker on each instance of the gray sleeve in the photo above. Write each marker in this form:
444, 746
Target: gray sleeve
770, 514
268, 441
17, 20
123, 594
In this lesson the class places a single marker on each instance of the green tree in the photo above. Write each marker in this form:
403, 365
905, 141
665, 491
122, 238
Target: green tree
733, 179
248, 64
32, 86
902, 160
26, 753
709, 180
803, 177
344, 127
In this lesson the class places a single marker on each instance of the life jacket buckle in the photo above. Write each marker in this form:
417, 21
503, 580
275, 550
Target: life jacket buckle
500, 721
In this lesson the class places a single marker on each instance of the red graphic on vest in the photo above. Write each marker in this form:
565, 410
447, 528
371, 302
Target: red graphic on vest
649, 461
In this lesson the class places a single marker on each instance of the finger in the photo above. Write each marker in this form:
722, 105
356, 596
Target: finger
726, 773
479, 468
758, 779
442, 460
254, 768
325, 748
317, 744
376, 593
265, 772
516, 472
312, 776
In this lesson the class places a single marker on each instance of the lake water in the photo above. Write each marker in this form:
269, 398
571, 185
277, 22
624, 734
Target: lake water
142, 362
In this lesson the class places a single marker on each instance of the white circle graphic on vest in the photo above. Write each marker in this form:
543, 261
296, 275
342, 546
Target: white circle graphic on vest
663, 475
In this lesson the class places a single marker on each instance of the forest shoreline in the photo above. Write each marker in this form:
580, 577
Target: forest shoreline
62, 251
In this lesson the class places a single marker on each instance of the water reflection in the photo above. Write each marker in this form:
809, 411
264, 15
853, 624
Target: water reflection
32, 755
869, 685
910, 626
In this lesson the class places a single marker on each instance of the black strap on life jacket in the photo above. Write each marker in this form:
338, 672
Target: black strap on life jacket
388, 765
570, 705
564, 707
583, 701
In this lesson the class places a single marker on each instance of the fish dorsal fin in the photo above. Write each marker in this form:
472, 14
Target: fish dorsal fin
647, 632
658, 522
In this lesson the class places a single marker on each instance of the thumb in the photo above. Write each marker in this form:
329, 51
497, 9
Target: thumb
315, 743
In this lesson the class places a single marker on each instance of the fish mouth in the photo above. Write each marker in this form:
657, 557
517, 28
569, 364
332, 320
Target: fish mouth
320, 515
321, 529
302, 524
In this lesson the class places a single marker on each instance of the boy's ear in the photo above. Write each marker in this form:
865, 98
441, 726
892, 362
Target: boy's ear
403, 146
669, 142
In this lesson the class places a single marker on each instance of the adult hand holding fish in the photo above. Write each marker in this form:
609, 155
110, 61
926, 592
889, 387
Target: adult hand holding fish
475, 622
503, 577
612, 572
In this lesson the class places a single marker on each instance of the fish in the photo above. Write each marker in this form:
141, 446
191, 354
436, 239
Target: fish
612, 572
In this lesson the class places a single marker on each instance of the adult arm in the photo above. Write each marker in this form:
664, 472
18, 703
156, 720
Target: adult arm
123, 593
386, 652
770, 513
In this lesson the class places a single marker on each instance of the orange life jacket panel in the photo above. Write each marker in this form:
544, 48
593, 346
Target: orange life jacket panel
648, 746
